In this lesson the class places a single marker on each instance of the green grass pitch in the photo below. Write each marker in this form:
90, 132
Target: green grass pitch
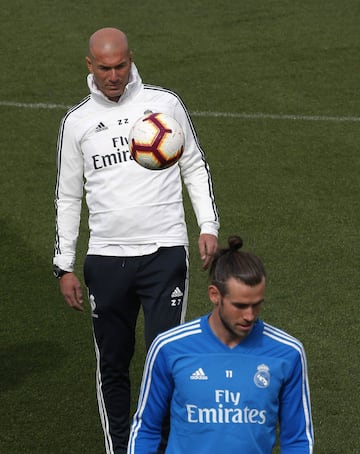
273, 89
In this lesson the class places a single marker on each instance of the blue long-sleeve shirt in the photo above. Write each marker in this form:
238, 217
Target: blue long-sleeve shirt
224, 399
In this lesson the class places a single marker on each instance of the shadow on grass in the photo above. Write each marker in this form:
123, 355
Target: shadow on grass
28, 324
21, 361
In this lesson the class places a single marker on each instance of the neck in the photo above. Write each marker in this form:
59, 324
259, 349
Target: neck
224, 335
115, 98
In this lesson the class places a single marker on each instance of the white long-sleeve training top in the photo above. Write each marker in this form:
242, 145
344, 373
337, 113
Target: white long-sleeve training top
128, 205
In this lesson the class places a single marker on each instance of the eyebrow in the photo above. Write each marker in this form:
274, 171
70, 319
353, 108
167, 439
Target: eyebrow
238, 303
101, 65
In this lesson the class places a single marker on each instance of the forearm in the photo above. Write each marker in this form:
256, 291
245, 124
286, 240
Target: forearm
67, 231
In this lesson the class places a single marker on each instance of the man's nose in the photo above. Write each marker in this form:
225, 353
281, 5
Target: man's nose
113, 74
249, 314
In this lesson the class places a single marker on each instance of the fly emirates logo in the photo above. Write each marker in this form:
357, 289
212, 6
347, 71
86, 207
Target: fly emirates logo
227, 409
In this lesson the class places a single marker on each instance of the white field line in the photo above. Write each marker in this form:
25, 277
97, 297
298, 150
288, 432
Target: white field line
243, 115
265, 116
38, 105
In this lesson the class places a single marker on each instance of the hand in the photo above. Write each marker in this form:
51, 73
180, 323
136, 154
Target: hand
70, 288
208, 245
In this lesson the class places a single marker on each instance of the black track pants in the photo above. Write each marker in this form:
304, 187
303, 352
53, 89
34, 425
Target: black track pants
118, 287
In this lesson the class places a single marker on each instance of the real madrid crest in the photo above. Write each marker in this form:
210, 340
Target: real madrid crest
262, 376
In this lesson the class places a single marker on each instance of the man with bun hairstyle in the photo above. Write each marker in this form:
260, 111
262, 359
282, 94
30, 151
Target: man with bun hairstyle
228, 378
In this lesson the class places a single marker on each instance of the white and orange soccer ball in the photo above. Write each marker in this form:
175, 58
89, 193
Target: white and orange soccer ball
156, 141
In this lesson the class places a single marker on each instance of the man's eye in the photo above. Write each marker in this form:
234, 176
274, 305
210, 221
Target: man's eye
241, 306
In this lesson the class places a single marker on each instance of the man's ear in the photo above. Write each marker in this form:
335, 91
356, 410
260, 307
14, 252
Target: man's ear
89, 64
214, 294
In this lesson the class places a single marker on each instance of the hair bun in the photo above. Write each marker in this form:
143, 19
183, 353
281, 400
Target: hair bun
235, 242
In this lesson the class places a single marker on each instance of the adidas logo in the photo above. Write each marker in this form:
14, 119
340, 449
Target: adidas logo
177, 293
199, 375
100, 127
176, 297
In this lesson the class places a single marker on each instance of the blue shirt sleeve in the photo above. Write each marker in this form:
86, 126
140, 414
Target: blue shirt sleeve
296, 431
154, 402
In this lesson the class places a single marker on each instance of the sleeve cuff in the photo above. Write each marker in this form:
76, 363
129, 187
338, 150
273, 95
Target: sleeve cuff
64, 263
210, 228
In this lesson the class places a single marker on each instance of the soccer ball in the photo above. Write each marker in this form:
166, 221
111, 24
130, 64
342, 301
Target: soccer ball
156, 141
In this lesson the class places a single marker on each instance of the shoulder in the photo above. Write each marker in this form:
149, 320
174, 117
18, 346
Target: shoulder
78, 110
160, 90
162, 93
282, 340
179, 334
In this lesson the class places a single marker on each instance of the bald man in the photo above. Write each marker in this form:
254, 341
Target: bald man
138, 244
109, 60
